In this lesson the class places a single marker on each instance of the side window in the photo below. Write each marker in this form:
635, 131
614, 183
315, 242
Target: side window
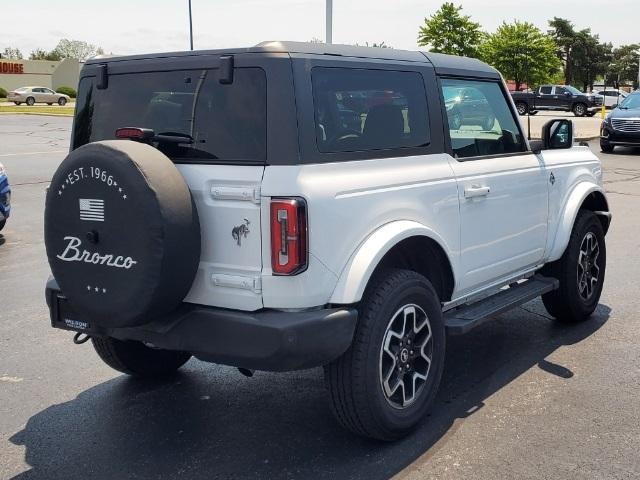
545, 90
359, 109
480, 120
561, 90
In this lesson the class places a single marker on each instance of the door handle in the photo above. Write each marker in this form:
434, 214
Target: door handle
476, 191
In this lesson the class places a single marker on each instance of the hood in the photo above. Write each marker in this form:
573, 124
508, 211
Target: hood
623, 113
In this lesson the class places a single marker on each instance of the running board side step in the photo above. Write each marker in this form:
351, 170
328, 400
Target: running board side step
466, 317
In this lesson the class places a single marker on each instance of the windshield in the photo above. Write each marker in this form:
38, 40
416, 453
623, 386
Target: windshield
632, 101
573, 90
226, 121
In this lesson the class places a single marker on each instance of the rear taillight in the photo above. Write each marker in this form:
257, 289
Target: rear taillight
289, 250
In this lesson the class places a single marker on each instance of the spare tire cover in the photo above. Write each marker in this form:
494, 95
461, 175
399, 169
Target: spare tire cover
121, 232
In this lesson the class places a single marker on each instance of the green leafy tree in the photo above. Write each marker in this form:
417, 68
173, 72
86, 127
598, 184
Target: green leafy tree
522, 53
77, 49
564, 35
39, 54
447, 31
590, 58
624, 65
12, 53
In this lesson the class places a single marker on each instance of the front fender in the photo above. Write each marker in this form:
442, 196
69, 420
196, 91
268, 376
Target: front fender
356, 274
568, 217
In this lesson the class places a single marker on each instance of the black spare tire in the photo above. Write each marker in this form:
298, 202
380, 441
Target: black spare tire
121, 232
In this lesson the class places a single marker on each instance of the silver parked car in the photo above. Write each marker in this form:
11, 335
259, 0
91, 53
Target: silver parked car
611, 96
32, 95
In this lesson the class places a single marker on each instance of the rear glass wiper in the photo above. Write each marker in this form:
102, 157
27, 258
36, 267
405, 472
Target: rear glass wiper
173, 137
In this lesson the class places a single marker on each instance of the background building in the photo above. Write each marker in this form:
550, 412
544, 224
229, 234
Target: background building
41, 73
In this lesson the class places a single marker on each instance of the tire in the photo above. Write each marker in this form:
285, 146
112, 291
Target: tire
17, 103
522, 108
2, 224
30, 101
49, 103
579, 109
571, 303
128, 207
355, 380
606, 147
62, 101
136, 359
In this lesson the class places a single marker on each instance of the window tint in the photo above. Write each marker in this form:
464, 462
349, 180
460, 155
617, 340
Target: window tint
227, 121
545, 90
561, 91
357, 109
480, 120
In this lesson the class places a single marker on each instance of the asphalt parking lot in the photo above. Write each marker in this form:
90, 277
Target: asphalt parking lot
522, 397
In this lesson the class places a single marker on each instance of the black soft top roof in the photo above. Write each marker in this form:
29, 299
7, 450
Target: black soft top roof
443, 64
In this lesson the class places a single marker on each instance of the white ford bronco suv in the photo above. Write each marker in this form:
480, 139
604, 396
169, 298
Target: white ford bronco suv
293, 205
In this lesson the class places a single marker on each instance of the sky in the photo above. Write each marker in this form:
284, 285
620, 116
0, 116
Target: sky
140, 26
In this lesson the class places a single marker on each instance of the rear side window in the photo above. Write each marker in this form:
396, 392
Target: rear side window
480, 120
545, 90
228, 122
361, 109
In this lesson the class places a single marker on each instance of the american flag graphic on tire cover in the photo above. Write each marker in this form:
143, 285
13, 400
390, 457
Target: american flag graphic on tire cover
92, 209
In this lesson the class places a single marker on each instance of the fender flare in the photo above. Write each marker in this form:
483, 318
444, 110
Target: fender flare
568, 216
357, 272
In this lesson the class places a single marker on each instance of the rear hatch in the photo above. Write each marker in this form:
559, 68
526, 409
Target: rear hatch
223, 119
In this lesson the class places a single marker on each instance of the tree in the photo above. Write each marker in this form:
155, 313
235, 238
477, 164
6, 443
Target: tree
77, 49
564, 35
447, 31
39, 54
624, 65
12, 53
590, 58
522, 53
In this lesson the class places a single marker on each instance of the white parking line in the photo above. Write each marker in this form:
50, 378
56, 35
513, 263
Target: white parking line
32, 153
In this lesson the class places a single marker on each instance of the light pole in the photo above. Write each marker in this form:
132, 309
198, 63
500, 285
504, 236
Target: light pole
329, 20
190, 27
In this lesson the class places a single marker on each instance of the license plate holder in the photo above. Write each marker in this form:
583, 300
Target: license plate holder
66, 318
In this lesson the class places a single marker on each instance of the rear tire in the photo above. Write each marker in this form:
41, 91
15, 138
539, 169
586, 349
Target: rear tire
580, 270
136, 359
373, 393
49, 103
18, 103
31, 101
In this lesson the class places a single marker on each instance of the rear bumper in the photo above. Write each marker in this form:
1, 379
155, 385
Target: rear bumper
264, 340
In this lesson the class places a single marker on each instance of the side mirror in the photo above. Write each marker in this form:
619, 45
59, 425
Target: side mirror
556, 134
567, 94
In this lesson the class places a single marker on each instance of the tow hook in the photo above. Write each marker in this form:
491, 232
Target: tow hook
78, 338
246, 371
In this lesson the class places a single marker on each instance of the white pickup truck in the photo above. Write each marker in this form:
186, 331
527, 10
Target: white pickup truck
292, 205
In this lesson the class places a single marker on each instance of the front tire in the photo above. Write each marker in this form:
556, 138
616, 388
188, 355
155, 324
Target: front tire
62, 102
579, 109
136, 359
580, 271
606, 147
383, 385
522, 108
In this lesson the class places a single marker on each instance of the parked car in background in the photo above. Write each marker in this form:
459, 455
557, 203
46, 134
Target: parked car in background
559, 98
621, 127
611, 96
33, 95
5, 197
468, 106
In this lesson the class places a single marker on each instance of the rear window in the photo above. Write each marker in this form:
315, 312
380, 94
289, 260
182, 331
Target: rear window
227, 121
361, 109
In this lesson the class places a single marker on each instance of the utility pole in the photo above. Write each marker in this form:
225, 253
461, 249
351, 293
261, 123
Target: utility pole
329, 20
190, 27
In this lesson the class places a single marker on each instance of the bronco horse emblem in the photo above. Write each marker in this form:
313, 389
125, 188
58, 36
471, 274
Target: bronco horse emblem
241, 231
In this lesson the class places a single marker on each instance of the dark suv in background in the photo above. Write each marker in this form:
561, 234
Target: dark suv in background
622, 126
